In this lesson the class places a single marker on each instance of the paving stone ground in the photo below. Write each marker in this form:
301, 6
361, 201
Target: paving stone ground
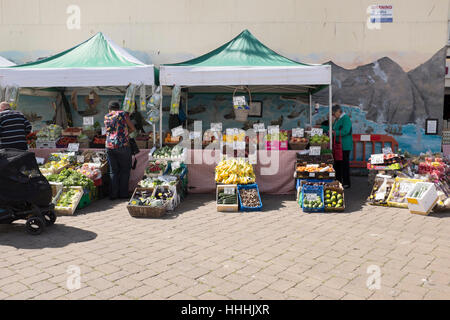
198, 253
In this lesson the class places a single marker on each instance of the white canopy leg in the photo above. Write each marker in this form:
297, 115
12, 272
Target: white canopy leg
331, 115
161, 118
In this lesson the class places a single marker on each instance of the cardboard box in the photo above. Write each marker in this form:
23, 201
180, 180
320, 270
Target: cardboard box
426, 202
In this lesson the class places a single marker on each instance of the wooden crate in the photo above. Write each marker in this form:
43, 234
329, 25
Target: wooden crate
70, 211
227, 207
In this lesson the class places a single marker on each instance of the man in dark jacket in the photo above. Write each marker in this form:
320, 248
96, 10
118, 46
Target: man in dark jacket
14, 128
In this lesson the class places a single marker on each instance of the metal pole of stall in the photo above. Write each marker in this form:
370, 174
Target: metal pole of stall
331, 116
161, 118
187, 105
310, 108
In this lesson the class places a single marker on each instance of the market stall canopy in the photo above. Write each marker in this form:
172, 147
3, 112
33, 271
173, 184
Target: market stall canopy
96, 62
6, 63
244, 61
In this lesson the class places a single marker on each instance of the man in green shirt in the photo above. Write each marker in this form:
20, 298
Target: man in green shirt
342, 129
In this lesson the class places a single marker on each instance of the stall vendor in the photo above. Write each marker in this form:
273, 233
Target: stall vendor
342, 130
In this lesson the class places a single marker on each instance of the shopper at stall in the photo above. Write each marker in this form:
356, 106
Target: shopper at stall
343, 132
14, 128
118, 128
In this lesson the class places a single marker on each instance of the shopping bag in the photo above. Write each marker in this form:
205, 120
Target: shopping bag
337, 148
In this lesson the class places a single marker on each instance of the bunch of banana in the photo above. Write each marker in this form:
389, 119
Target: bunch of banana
234, 171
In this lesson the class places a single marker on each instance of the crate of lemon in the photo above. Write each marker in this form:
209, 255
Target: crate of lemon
334, 199
235, 171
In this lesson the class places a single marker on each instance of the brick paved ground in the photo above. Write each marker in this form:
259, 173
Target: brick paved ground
198, 253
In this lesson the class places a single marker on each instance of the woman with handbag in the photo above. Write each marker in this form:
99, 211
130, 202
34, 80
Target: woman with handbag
118, 129
343, 145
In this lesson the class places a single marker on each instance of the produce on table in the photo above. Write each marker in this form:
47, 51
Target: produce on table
299, 140
49, 133
319, 140
280, 136
224, 198
31, 139
91, 171
100, 140
168, 153
72, 131
333, 199
54, 166
156, 167
250, 198
71, 178
67, 198
65, 141
235, 171
171, 140
94, 156
312, 168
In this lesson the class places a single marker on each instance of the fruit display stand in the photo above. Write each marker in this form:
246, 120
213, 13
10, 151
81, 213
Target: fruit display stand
401, 188
227, 198
298, 143
63, 210
422, 198
243, 205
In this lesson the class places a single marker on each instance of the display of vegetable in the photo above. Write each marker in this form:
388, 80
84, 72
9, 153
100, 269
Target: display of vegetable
250, 198
70, 178
280, 136
67, 198
146, 198
170, 153
156, 167
224, 198
49, 133
333, 199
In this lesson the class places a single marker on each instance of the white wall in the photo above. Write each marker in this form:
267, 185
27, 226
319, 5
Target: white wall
173, 30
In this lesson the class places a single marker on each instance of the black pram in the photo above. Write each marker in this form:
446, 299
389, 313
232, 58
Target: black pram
25, 193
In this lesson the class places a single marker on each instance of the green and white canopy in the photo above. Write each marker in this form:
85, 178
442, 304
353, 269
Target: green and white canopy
6, 63
96, 62
244, 61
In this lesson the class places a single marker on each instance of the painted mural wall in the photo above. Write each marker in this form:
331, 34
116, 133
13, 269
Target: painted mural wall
391, 76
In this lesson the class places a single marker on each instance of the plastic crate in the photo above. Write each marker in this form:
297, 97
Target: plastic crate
313, 190
84, 202
249, 209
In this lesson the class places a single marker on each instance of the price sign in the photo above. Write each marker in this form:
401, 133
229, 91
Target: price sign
40, 160
73, 147
315, 151
312, 166
178, 131
312, 174
311, 196
273, 129
377, 159
97, 160
259, 127
387, 150
216, 127
88, 121
298, 132
230, 132
316, 132
365, 138
80, 159
195, 135
332, 174
228, 190
103, 131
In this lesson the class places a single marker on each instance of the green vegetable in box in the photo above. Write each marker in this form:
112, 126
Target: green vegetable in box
72, 178
67, 198
333, 199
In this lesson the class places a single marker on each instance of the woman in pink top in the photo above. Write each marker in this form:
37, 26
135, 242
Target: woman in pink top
118, 127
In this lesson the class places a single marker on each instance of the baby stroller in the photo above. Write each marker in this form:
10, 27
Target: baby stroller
25, 193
